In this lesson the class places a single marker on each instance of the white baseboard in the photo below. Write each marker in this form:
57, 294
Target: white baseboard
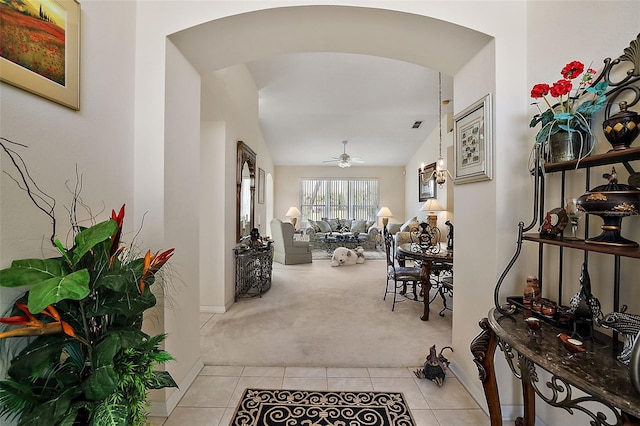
164, 408
213, 309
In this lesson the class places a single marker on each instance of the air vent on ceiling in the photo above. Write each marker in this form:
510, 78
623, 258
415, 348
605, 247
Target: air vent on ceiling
416, 124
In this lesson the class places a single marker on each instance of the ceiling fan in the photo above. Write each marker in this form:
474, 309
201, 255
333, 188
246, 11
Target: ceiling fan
344, 160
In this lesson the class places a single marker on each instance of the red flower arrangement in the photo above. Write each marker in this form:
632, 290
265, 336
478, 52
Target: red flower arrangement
568, 113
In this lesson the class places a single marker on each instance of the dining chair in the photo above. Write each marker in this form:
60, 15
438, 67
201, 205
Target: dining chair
400, 275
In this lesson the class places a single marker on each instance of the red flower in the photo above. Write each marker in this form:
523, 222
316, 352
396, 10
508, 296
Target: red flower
572, 69
115, 238
560, 88
539, 90
152, 264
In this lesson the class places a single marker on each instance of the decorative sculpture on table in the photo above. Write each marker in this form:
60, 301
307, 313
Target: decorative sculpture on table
628, 325
584, 307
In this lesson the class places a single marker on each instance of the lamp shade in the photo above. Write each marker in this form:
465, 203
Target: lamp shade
432, 205
384, 212
293, 212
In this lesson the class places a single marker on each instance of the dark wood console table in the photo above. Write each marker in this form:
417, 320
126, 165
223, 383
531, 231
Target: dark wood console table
595, 372
442, 260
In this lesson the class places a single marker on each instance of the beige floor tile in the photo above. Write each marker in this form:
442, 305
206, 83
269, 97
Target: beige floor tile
451, 395
349, 384
253, 383
406, 385
209, 391
195, 416
157, 421
318, 372
305, 383
425, 418
263, 372
390, 372
228, 415
222, 370
462, 417
347, 372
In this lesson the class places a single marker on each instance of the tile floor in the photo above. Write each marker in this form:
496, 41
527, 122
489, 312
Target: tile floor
212, 398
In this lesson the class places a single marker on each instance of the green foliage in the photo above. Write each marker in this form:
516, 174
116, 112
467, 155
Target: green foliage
92, 363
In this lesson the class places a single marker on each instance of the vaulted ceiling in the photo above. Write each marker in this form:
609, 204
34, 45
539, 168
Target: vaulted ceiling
310, 102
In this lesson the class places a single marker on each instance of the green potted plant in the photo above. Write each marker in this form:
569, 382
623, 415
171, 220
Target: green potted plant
77, 352
89, 363
568, 114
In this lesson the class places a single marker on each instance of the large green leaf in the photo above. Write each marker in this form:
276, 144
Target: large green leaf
52, 411
106, 350
110, 414
128, 304
74, 286
161, 379
90, 237
41, 352
120, 280
32, 271
101, 383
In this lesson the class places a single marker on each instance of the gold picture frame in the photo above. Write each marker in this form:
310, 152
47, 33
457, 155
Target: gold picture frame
261, 178
53, 28
427, 182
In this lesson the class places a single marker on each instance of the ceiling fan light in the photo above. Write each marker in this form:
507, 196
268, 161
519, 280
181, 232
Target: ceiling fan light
344, 164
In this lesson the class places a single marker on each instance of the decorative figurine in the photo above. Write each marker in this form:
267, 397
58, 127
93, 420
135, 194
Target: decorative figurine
449, 235
583, 305
534, 326
435, 366
628, 325
574, 346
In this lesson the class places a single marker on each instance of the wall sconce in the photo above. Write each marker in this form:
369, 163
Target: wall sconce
293, 213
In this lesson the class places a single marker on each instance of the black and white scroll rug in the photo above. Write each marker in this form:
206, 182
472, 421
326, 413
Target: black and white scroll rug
260, 407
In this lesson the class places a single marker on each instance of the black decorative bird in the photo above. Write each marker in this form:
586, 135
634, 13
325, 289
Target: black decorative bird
435, 366
628, 325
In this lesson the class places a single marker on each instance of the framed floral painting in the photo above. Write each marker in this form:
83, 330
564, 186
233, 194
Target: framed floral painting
40, 49
473, 150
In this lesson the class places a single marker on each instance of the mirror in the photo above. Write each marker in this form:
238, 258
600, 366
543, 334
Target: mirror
246, 188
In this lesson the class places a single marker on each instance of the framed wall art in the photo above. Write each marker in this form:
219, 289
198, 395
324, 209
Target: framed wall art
426, 182
473, 152
40, 50
261, 186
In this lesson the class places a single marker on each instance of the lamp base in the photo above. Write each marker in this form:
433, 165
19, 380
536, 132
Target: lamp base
293, 221
385, 222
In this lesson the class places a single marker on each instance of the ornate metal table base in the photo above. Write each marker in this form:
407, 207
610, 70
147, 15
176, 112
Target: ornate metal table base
609, 393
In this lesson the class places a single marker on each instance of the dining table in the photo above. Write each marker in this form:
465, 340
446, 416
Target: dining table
433, 260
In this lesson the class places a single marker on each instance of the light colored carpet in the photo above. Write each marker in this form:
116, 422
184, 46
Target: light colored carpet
318, 315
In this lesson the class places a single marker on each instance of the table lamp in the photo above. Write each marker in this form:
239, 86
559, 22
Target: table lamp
432, 206
385, 214
293, 213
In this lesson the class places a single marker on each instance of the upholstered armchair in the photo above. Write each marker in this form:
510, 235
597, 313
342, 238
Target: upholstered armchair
286, 250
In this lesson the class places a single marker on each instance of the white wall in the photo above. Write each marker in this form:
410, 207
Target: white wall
118, 137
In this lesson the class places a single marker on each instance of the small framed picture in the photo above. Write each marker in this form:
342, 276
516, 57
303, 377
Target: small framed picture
42, 56
473, 150
260, 186
427, 182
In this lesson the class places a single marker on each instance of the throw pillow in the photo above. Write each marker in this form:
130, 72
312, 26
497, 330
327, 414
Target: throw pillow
314, 225
408, 225
359, 226
324, 226
334, 224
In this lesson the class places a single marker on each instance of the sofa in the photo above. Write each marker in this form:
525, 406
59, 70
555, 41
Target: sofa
366, 230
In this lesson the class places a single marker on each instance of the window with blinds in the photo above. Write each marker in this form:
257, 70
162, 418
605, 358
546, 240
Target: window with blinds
339, 198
